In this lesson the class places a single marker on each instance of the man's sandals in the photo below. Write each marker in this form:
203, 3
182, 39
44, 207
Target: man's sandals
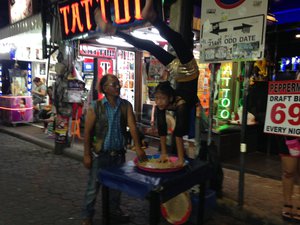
296, 216
287, 214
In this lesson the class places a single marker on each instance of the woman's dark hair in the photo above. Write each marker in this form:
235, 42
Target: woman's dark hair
37, 79
165, 88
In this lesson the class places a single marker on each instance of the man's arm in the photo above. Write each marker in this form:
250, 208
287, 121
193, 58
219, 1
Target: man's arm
88, 126
134, 134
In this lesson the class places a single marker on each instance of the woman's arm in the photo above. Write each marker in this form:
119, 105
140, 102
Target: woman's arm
162, 132
181, 129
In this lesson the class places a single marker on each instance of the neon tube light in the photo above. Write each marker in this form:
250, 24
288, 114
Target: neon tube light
16, 109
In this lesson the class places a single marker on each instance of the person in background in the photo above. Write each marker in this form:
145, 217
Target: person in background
182, 71
46, 114
104, 143
38, 94
289, 150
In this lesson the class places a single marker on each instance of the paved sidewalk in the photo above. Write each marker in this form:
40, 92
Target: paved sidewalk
262, 196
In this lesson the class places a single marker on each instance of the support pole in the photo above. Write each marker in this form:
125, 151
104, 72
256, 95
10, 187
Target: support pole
243, 146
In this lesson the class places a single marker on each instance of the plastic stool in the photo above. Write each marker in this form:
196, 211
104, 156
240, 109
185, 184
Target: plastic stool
77, 130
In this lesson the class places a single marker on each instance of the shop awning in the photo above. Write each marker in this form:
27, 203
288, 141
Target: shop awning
26, 25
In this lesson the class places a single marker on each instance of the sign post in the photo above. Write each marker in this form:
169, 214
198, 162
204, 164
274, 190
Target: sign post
234, 30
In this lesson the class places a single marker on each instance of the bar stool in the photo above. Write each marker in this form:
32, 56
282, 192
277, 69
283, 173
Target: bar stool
75, 129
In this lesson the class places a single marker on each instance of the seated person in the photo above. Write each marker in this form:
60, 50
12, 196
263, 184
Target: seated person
46, 113
38, 93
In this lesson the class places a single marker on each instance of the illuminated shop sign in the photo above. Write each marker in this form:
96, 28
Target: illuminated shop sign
93, 51
77, 16
290, 63
225, 93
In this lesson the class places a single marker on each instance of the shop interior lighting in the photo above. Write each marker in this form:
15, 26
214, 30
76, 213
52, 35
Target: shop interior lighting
271, 18
115, 41
149, 34
30, 39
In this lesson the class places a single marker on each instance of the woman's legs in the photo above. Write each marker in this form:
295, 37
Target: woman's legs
289, 171
184, 54
297, 212
163, 56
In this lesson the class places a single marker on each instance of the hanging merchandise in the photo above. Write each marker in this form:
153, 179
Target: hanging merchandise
61, 129
62, 106
203, 87
155, 75
75, 87
61, 90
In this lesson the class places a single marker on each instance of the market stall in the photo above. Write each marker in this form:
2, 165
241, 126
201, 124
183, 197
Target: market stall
16, 101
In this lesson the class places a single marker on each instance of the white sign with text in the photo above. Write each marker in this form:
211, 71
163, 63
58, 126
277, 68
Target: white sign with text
283, 108
232, 30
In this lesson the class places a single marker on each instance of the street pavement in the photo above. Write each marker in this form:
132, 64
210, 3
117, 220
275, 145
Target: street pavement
38, 187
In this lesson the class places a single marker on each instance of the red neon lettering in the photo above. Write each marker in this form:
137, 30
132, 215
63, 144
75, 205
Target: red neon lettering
76, 18
138, 10
118, 20
103, 9
65, 10
85, 4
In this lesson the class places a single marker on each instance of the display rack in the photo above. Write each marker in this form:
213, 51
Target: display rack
126, 74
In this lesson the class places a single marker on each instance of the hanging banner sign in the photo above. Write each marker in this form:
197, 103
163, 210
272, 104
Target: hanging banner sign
283, 109
77, 16
232, 30
98, 52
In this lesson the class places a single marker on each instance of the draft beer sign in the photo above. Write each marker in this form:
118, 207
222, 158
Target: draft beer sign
77, 16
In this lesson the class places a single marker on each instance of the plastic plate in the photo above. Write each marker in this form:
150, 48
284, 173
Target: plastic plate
158, 170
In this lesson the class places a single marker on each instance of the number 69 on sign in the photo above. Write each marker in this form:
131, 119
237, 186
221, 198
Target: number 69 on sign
284, 113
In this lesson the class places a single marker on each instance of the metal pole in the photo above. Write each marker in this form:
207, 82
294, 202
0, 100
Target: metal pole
243, 146
211, 103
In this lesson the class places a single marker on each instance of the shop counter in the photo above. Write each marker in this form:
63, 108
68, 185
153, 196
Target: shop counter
227, 139
156, 187
16, 109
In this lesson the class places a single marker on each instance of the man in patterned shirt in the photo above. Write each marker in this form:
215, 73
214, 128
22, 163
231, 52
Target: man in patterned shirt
105, 125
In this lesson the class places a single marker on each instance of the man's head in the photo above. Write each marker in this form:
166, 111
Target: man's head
110, 85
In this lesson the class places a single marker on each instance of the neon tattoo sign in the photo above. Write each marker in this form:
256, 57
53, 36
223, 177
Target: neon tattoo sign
77, 16
225, 94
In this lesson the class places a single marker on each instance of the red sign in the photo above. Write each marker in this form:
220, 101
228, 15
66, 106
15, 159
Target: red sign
77, 16
283, 109
93, 51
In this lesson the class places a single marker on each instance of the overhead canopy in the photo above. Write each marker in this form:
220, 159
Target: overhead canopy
27, 25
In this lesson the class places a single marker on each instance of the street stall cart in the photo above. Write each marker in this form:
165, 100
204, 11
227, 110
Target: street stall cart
156, 187
16, 102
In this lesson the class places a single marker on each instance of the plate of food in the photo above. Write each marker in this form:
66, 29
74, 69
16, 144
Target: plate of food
154, 165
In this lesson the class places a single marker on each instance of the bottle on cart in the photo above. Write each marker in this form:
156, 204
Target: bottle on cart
232, 116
